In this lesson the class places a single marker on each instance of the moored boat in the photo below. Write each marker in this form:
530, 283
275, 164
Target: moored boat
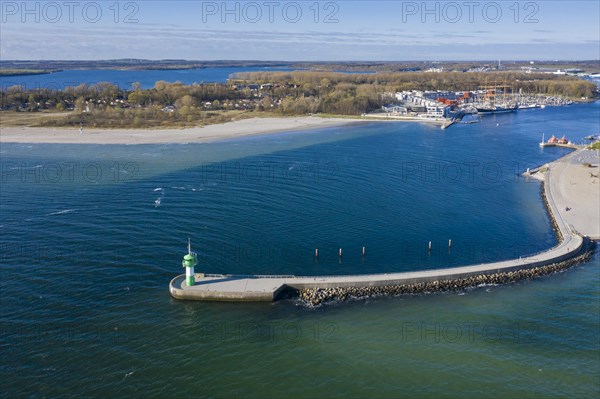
496, 110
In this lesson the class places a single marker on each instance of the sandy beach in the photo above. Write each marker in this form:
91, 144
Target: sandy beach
575, 189
245, 127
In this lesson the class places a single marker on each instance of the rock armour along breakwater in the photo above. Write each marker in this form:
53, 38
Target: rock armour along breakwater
555, 227
319, 296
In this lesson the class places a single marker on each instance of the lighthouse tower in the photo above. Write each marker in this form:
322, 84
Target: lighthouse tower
189, 261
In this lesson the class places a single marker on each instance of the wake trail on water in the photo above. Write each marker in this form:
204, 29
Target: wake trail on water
61, 212
158, 201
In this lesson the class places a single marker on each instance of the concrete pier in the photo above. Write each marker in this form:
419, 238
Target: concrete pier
572, 146
268, 288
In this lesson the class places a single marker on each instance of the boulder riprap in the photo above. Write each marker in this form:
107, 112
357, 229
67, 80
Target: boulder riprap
318, 296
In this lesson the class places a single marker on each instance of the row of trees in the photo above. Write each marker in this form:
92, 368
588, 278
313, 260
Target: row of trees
44, 98
163, 94
535, 83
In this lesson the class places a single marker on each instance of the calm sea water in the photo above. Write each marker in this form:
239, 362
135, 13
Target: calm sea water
124, 78
91, 236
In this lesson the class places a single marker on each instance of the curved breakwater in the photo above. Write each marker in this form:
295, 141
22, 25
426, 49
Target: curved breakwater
318, 296
571, 249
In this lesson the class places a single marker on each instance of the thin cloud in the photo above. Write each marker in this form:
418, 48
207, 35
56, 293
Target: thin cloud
171, 41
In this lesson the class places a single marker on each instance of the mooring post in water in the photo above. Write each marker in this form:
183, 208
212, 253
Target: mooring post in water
429, 246
363, 251
316, 253
449, 243
340, 252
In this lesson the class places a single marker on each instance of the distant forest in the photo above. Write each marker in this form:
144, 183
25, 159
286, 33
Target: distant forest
591, 66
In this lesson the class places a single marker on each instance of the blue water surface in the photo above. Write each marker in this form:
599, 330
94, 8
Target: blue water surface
125, 78
92, 234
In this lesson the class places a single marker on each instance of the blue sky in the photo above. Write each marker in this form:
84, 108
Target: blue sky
312, 30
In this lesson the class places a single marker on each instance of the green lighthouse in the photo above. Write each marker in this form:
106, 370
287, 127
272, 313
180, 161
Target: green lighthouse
189, 261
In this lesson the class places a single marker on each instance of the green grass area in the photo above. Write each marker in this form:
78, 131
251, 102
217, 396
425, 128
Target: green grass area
122, 119
28, 119
136, 119
339, 116
595, 146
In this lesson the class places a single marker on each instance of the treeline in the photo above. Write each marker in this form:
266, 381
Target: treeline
178, 94
285, 93
131, 64
591, 66
107, 105
18, 99
16, 72
356, 66
548, 84
104, 95
352, 94
341, 98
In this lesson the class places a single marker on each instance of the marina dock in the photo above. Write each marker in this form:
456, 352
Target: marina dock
568, 145
555, 142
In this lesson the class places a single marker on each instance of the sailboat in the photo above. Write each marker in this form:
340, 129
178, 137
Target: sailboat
492, 107
542, 143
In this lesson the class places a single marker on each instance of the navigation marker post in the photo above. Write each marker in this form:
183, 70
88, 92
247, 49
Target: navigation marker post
189, 261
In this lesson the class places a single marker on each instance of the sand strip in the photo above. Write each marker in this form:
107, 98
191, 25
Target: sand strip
241, 128
575, 187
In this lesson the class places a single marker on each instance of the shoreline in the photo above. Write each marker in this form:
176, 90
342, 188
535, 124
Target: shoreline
204, 134
576, 190
256, 126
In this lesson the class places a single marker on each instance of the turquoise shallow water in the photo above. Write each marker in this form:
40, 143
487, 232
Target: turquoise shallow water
87, 254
